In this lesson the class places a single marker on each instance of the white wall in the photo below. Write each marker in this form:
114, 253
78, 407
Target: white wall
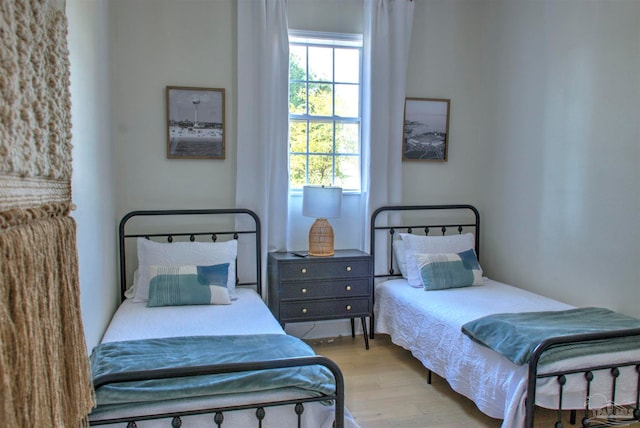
562, 195
93, 190
334, 16
159, 43
448, 59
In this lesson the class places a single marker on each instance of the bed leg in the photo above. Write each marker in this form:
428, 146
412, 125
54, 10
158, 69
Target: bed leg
353, 328
429, 376
572, 417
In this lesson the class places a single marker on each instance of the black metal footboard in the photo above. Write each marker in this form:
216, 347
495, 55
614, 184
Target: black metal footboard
611, 415
218, 412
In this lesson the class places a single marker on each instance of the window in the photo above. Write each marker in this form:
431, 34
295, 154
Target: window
324, 110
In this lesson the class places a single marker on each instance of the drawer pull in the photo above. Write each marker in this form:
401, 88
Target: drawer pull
348, 268
304, 291
348, 288
303, 270
348, 307
304, 310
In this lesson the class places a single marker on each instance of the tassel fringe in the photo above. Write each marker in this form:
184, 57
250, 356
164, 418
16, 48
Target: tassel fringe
44, 367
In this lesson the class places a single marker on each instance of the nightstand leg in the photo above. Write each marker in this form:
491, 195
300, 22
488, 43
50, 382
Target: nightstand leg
364, 331
353, 328
371, 327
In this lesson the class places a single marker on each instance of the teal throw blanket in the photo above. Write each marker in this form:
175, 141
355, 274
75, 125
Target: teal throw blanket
516, 335
117, 357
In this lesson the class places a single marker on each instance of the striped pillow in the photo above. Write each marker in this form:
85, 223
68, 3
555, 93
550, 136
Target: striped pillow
449, 270
188, 285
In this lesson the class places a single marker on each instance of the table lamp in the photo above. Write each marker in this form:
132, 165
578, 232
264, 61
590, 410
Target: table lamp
321, 203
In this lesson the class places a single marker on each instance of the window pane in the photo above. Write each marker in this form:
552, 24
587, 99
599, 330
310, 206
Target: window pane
297, 98
298, 136
324, 113
320, 170
347, 138
348, 172
297, 62
347, 100
321, 64
297, 170
320, 137
320, 99
347, 65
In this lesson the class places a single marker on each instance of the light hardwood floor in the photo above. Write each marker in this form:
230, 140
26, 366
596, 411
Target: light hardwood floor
387, 388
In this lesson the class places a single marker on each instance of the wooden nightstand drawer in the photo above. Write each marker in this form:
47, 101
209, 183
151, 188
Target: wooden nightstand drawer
325, 289
324, 268
323, 309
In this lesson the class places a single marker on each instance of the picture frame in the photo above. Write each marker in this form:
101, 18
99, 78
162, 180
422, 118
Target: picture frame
195, 123
425, 131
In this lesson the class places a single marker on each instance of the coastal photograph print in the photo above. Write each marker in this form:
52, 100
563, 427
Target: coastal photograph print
426, 129
195, 123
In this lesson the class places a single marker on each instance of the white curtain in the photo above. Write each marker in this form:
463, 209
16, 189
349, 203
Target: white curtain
387, 37
263, 80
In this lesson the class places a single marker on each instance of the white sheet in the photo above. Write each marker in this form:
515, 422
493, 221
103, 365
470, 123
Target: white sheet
246, 315
429, 325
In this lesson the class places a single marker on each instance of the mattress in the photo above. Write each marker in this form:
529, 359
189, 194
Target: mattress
429, 325
248, 315
136, 321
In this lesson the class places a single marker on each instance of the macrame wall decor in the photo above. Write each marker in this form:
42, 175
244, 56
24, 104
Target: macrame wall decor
44, 368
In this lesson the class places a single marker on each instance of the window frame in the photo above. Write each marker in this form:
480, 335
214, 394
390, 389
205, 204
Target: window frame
330, 40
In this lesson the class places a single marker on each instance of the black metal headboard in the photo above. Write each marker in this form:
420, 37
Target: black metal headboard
202, 223
424, 219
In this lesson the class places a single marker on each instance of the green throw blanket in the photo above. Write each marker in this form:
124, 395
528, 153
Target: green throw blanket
117, 357
516, 335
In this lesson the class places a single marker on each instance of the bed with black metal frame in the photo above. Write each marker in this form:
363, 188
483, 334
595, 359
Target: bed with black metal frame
566, 385
234, 409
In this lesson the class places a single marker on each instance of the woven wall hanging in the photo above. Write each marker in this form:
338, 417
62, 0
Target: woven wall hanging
44, 368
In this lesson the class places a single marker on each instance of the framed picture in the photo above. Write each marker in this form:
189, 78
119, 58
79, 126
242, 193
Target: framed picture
425, 135
195, 123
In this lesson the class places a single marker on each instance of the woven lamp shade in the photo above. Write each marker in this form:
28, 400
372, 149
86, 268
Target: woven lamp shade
321, 203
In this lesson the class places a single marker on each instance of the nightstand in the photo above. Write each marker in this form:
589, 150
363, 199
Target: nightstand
321, 288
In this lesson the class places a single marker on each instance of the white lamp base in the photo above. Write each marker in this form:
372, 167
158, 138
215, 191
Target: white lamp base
321, 238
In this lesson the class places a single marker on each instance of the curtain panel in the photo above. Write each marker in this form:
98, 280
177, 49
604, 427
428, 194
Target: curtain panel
262, 177
387, 39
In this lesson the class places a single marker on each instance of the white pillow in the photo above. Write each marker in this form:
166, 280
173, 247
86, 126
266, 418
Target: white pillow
421, 244
152, 253
130, 292
399, 257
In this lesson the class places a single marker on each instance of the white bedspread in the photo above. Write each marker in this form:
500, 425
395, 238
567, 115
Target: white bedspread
429, 325
246, 315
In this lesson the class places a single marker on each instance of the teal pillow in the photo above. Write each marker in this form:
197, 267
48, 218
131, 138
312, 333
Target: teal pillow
214, 275
188, 285
449, 270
